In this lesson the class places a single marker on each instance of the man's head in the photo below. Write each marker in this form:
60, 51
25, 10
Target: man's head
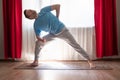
30, 14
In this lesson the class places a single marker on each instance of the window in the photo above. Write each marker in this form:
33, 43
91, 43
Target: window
75, 13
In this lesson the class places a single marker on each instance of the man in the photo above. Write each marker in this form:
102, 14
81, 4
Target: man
46, 21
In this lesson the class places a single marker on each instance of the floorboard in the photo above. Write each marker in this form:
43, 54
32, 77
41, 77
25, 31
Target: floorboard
7, 72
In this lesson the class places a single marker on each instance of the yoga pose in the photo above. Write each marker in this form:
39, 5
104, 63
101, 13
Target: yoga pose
48, 22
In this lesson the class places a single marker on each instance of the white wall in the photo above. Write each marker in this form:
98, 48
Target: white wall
1, 32
1, 28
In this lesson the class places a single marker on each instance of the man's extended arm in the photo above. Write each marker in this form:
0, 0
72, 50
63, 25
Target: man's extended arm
57, 8
40, 39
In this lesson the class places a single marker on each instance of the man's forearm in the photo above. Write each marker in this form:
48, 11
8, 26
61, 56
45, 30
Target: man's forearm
58, 11
57, 8
40, 39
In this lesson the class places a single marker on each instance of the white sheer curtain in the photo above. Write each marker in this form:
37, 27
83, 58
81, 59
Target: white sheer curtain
78, 17
28, 36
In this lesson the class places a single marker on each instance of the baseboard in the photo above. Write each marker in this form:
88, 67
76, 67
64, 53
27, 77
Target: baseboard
108, 59
10, 60
19, 60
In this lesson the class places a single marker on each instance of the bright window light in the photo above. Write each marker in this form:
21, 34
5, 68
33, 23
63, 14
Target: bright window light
73, 13
76, 13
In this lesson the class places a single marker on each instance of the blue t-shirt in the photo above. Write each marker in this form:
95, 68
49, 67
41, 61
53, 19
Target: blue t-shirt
47, 22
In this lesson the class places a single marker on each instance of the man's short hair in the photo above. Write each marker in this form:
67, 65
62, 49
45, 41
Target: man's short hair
25, 14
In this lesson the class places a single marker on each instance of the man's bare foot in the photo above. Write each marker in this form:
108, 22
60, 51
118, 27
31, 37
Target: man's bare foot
34, 64
92, 65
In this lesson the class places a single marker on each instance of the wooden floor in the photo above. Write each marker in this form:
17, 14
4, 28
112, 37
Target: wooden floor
7, 72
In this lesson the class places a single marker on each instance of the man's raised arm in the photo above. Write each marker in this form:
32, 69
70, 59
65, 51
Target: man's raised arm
57, 8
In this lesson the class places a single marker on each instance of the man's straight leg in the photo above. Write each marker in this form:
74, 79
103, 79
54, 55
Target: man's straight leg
66, 35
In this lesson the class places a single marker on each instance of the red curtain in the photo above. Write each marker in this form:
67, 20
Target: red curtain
106, 28
12, 17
